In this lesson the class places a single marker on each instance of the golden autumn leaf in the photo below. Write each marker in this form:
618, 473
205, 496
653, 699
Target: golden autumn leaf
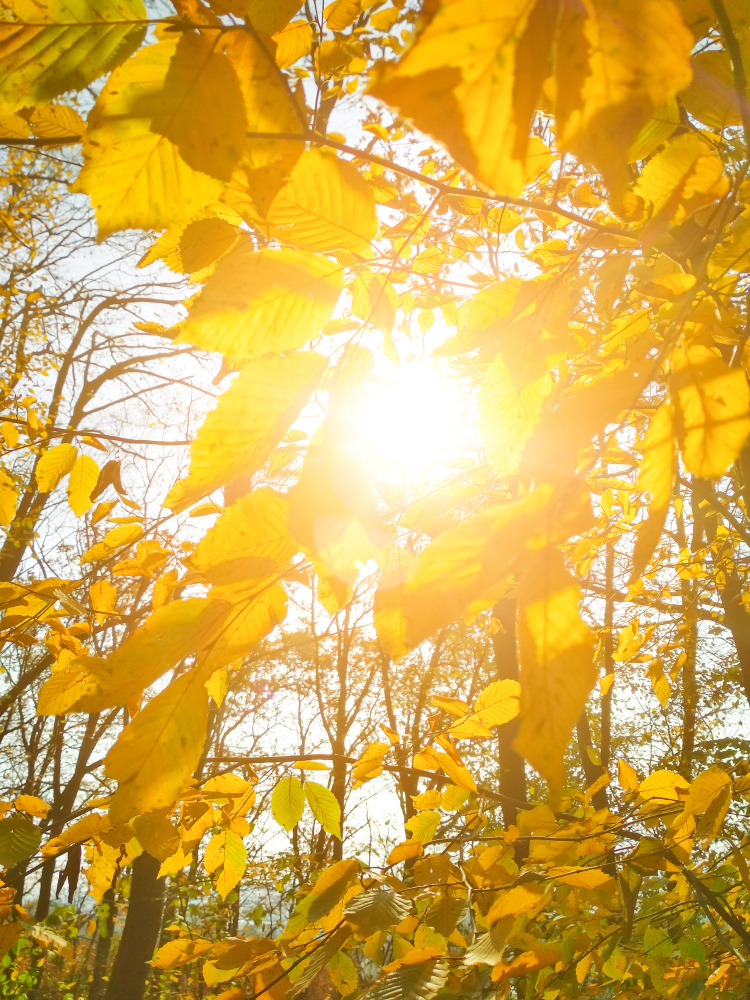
288, 802
556, 653
325, 205
159, 749
618, 62
260, 302
83, 479
457, 82
324, 807
712, 403
655, 477
171, 633
135, 176
227, 851
333, 513
460, 566
250, 541
53, 465
62, 45
509, 409
103, 597
250, 419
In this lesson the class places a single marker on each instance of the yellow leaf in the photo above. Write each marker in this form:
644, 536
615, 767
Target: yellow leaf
520, 899
655, 477
250, 619
583, 878
711, 96
292, 43
83, 829
712, 402
370, 763
705, 789
324, 807
199, 80
457, 82
167, 636
656, 130
682, 177
424, 825
288, 802
260, 302
661, 787
326, 205
63, 45
116, 540
195, 247
156, 834
556, 652
32, 805
627, 776
159, 749
250, 541
618, 62
53, 465
83, 479
226, 850
103, 597
509, 409
341, 13
135, 176
264, 16
498, 703
250, 419
178, 952
405, 851
460, 566
333, 513
269, 107
57, 121
8, 499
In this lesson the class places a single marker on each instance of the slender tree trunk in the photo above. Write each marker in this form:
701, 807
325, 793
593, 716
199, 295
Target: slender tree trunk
592, 771
609, 663
141, 932
103, 946
512, 768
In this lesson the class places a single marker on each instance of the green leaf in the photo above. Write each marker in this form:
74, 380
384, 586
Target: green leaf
19, 839
288, 802
324, 806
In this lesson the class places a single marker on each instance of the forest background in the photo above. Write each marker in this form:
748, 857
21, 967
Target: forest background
375, 492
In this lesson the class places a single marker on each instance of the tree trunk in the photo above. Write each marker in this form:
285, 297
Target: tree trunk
512, 768
103, 946
141, 931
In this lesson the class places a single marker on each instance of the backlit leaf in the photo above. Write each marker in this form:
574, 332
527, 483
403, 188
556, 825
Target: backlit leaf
250, 419
288, 802
262, 302
19, 839
326, 205
60, 45
655, 477
83, 479
136, 177
53, 465
226, 850
712, 402
324, 807
556, 652
159, 749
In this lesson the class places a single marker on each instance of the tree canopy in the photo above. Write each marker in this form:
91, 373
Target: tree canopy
375, 488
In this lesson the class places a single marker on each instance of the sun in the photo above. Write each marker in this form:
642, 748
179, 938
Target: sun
417, 422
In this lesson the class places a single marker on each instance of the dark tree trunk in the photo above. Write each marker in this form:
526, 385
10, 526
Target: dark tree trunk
141, 932
512, 769
103, 947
